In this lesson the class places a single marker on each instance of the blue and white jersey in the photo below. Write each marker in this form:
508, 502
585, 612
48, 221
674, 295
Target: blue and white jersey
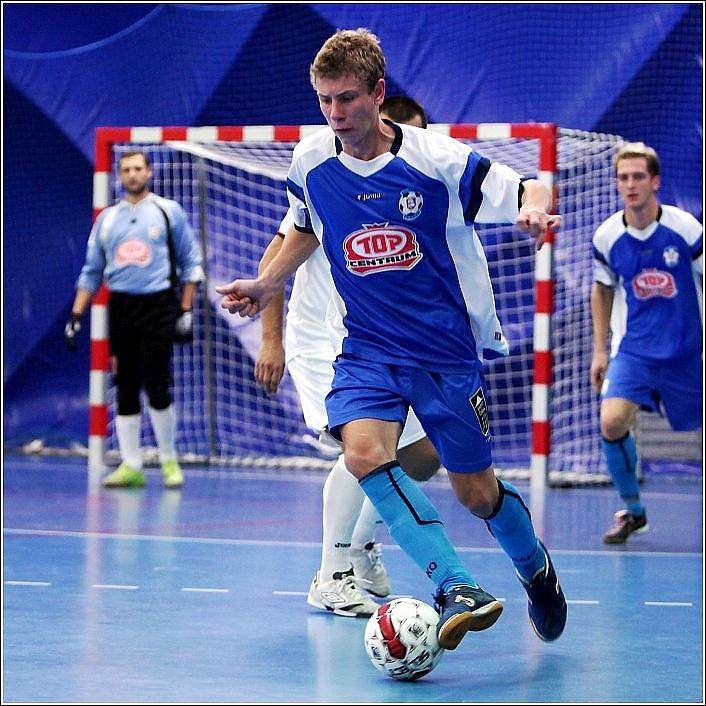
411, 281
656, 274
128, 248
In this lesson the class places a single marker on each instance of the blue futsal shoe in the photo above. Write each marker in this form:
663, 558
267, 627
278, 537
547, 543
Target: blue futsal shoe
547, 605
461, 609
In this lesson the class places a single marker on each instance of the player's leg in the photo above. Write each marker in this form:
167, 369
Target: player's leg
158, 325
126, 372
459, 428
365, 408
628, 385
501, 506
334, 586
420, 461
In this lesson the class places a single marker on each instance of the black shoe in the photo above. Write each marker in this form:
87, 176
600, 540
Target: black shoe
547, 605
462, 609
625, 524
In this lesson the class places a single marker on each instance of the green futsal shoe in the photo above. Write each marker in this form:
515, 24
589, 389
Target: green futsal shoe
124, 477
172, 475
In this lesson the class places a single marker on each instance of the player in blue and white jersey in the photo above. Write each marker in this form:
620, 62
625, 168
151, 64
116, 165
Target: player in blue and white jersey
393, 207
351, 560
647, 292
129, 249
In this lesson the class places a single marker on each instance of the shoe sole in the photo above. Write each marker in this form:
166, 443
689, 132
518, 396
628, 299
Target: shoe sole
618, 540
124, 485
337, 611
457, 626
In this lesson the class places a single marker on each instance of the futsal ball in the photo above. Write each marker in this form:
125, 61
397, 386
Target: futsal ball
400, 639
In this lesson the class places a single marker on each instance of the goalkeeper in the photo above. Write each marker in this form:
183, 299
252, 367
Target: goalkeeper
137, 246
350, 558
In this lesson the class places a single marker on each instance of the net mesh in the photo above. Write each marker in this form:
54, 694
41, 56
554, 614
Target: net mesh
234, 195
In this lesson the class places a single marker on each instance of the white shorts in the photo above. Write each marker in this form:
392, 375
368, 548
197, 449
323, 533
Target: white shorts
312, 377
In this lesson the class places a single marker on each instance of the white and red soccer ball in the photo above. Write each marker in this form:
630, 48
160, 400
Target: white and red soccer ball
400, 639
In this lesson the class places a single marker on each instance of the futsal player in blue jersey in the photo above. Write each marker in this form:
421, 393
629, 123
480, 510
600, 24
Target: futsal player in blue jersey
393, 207
351, 560
647, 293
129, 248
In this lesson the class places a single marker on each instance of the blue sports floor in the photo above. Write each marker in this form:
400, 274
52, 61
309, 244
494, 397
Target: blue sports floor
198, 596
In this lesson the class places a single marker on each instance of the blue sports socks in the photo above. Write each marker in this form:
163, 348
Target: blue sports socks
415, 525
511, 525
621, 457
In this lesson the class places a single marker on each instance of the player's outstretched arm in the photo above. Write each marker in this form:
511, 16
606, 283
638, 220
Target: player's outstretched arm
534, 217
269, 366
248, 297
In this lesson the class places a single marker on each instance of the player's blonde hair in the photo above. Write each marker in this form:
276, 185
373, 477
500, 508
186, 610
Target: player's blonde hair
630, 150
350, 51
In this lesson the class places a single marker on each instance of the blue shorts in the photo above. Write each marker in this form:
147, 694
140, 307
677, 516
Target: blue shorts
452, 407
674, 389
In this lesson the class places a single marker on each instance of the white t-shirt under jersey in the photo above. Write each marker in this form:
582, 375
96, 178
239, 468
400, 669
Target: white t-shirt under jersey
306, 332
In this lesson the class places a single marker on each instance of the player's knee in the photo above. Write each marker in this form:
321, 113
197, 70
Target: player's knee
614, 426
478, 494
362, 460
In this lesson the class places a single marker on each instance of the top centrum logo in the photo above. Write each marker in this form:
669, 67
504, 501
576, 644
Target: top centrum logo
381, 247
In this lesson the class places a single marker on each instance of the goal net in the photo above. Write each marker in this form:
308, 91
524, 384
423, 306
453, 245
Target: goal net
230, 181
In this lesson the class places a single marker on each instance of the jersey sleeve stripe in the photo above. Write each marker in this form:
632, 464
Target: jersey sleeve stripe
296, 190
598, 255
476, 196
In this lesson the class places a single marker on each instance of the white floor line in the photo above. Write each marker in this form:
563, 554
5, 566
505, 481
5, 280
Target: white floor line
206, 590
582, 602
116, 586
670, 603
283, 543
27, 583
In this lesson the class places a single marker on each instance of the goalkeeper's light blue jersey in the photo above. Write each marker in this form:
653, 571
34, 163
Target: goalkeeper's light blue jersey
411, 279
128, 248
657, 275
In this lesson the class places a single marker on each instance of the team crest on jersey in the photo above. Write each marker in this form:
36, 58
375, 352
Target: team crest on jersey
410, 204
477, 400
381, 247
654, 283
671, 256
154, 231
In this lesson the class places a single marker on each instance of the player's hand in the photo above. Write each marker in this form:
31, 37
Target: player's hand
535, 221
71, 331
246, 297
599, 366
184, 329
269, 366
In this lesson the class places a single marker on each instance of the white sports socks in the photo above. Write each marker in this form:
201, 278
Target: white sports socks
127, 429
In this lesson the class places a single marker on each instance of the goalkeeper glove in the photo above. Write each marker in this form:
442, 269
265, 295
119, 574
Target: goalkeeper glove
71, 330
184, 330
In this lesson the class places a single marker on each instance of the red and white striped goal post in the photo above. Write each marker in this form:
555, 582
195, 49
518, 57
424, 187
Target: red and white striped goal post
544, 133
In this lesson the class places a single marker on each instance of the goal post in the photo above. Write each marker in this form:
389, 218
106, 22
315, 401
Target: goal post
230, 181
